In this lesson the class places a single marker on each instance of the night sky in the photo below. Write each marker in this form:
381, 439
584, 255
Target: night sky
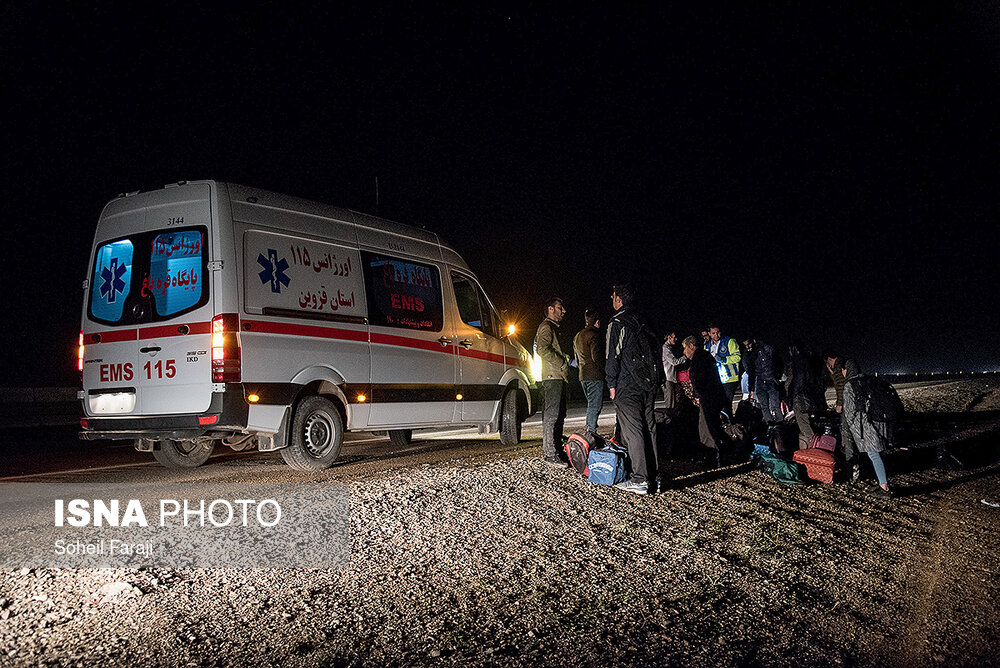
788, 171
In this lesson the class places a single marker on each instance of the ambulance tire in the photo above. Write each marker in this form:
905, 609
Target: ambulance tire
400, 437
317, 435
511, 419
183, 454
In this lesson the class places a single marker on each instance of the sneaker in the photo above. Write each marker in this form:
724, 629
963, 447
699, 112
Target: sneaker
878, 490
636, 487
991, 503
554, 462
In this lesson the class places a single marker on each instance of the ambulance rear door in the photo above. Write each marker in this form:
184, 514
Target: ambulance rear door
150, 309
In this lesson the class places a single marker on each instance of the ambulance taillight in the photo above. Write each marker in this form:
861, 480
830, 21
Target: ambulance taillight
79, 355
225, 349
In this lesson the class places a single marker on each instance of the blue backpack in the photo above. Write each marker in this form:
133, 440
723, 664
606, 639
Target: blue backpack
606, 466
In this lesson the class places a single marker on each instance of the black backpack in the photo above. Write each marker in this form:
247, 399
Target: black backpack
647, 362
878, 399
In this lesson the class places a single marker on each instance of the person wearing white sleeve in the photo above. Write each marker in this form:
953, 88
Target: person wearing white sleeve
671, 360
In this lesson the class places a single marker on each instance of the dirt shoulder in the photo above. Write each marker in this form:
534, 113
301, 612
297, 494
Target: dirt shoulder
495, 559
952, 593
502, 560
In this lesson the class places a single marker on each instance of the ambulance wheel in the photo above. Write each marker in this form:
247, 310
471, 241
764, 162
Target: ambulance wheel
183, 454
400, 437
317, 435
511, 419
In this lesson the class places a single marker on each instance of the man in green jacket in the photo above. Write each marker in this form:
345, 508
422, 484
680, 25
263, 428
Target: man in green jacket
555, 366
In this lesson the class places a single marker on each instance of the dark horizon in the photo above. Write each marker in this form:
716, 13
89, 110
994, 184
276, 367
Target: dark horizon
823, 174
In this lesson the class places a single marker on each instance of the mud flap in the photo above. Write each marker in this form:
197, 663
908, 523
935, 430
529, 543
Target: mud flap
269, 442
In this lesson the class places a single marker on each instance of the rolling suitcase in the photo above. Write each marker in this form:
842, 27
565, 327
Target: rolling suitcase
819, 464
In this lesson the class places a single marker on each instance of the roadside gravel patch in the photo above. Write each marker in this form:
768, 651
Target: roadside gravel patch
954, 396
499, 560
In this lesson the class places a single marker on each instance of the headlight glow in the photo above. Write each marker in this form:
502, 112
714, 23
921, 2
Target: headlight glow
535, 368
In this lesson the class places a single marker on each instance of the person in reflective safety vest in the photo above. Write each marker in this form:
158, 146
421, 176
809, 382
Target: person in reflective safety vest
726, 352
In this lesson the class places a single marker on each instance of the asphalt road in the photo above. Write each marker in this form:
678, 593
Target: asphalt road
54, 453
51, 454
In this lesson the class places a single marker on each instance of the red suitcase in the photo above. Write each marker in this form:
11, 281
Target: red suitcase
819, 463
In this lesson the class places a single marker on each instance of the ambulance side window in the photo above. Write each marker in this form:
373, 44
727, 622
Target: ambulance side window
473, 307
402, 293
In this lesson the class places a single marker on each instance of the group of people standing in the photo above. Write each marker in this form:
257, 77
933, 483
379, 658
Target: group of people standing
706, 372
621, 359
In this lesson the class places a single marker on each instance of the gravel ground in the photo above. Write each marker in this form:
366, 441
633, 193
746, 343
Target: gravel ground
499, 560
951, 396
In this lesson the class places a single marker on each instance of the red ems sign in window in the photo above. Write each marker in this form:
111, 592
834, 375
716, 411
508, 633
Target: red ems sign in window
403, 293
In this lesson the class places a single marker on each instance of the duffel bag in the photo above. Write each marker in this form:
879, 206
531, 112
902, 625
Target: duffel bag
606, 466
784, 471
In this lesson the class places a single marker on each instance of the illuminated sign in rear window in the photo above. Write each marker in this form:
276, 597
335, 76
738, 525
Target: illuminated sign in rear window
149, 277
175, 271
403, 293
112, 280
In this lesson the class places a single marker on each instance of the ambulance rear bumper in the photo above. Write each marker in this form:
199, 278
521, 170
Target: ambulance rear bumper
227, 413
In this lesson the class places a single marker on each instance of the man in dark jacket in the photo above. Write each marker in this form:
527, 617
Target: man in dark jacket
768, 369
748, 356
590, 357
634, 370
709, 396
805, 389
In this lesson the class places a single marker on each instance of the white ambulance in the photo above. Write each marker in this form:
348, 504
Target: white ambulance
216, 314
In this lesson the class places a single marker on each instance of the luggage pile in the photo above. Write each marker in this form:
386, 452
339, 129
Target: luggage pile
778, 455
601, 460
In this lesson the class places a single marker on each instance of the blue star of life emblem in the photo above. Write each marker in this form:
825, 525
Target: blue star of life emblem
113, 283
274, 270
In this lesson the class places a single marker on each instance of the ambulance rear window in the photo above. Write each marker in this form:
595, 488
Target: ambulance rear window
175, 271
112, 280
149, 277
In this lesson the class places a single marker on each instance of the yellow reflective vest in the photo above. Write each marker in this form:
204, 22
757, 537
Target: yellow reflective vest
729, 365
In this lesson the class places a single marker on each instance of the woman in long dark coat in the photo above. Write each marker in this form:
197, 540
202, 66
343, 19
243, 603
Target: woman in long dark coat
870, 437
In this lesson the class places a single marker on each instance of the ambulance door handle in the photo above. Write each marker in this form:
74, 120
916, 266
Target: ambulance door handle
444, 341
150, 349
466, 344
